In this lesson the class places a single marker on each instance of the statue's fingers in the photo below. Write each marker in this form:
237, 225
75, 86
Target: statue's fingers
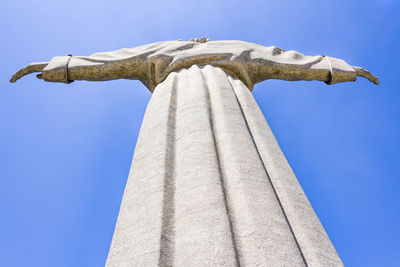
33, 67
366, 74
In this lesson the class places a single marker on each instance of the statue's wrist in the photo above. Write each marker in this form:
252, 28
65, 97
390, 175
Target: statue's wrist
57, 70
340, 71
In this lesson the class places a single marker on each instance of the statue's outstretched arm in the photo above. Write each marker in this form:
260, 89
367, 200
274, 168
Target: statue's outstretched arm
275, 63
119, 64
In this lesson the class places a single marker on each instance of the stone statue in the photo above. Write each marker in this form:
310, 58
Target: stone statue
209, 185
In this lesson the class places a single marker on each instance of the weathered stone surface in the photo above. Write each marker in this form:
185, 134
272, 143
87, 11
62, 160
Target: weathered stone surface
312, 239
151, 64
205, 185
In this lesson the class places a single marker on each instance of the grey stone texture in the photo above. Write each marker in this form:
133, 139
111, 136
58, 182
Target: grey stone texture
209, 185
152, 63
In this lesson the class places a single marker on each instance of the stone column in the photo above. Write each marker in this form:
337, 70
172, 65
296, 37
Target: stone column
209, 185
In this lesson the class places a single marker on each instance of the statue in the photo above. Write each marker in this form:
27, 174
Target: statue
209, 185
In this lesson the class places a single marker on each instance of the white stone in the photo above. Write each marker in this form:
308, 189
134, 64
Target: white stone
209, 185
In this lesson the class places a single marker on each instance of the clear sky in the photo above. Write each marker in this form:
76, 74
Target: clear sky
65, 150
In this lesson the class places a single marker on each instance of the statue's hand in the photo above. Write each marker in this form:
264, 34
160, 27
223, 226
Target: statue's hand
33, 67
366, 74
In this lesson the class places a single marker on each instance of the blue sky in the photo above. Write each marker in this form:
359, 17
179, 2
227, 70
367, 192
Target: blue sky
65, 150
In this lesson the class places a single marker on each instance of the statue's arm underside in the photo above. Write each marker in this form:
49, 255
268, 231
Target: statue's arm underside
152, 63
127, 63
97, 67
327, 69
274, 63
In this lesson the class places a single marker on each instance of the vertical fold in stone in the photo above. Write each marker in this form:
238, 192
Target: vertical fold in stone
315, 245
143, 234
167, 245
202, 229
261, 232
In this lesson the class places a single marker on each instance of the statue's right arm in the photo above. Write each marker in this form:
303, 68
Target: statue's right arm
119, 64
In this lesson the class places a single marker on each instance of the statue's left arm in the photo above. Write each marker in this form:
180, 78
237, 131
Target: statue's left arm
275, 63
